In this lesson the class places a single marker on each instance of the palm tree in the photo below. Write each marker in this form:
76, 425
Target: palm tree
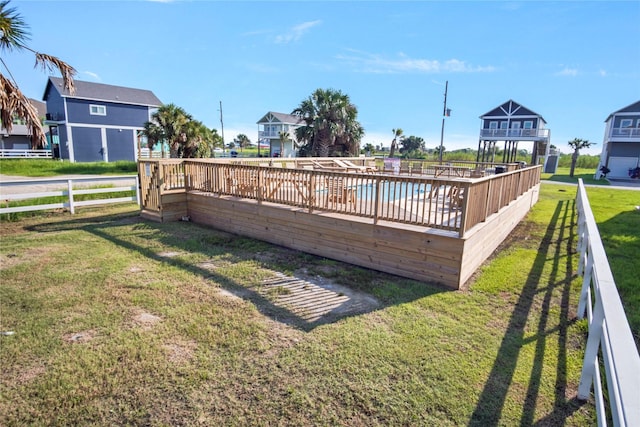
242, 140
397, 134
330, 124
167, 125
283, 136
14, 34
577, 144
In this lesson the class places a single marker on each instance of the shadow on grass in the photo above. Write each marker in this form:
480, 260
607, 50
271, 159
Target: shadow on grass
190, 238
536, 301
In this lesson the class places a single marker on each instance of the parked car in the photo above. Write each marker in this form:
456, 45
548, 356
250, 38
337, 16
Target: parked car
234, 153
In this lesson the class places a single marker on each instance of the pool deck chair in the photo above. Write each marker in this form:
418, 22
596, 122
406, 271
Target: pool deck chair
349, 166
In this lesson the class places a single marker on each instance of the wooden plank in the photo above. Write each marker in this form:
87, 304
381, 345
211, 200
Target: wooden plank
282, 226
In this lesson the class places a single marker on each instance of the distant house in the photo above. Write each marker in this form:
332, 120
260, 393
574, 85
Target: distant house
274, 125
512, 123
621, 146
20, 138
98, 122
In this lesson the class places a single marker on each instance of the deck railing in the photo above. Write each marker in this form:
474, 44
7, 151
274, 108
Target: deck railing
447, 203
609, 331
625, 132
515, 133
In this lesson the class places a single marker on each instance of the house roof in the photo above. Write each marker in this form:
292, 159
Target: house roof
631, 108
103, 92
272, 116
41, 108
512, 109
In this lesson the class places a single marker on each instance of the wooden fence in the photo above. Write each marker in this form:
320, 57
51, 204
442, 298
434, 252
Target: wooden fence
436, 229
610, 336
447, 203
38, 190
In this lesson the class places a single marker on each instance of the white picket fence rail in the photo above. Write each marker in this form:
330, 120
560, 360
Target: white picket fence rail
609, 331
40, 188
28, 153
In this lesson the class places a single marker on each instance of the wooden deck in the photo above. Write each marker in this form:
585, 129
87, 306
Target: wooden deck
425, 228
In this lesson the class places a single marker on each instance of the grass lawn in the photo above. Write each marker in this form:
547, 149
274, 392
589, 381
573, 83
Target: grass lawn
119, 321
562, 175
618, 218
50, 167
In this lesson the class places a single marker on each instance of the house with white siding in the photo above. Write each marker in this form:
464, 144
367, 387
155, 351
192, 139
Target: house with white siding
621, 145
278, 131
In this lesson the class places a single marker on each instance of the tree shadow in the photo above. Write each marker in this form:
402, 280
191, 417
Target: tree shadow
347, 290
557, 244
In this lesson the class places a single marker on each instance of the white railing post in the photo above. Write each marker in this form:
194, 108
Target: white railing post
585, 294
609, 332
70, 196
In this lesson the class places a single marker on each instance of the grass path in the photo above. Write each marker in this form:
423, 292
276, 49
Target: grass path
120, 321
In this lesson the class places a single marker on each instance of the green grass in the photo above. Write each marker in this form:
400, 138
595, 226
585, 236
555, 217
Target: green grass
51, 167
618, 218
562, 175
80, 292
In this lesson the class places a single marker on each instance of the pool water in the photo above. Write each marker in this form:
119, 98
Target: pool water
393, 190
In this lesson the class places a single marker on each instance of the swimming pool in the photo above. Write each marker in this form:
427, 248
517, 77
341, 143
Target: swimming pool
393, 190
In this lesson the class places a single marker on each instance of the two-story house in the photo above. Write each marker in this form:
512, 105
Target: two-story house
621, 146
278, 130
98, 122
20, 137
512, 123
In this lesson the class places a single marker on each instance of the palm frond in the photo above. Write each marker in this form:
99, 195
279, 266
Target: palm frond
13, 103
49, 63
14, 31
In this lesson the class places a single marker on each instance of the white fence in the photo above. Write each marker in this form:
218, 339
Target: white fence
41, 188
4, 152
609, 331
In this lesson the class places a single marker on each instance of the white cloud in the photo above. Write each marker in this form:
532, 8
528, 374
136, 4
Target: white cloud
566, 71
93, 75
374, 63
296, 32
603, 73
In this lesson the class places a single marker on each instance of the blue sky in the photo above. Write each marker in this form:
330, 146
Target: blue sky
573, 62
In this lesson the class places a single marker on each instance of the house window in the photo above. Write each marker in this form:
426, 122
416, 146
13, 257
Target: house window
626, 123
528, 124
503, 125
493, 125
97, 110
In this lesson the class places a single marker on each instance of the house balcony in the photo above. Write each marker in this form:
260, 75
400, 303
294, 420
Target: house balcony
268, 134
54, 118
625, 134
515, 134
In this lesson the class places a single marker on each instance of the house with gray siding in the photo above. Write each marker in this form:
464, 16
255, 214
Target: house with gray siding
510, 124
98, 122
621, 145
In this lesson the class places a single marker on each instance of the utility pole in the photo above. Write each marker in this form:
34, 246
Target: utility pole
222, 128
444, 114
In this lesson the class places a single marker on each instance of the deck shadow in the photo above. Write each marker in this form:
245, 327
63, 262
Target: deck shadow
535, 302
301, 290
